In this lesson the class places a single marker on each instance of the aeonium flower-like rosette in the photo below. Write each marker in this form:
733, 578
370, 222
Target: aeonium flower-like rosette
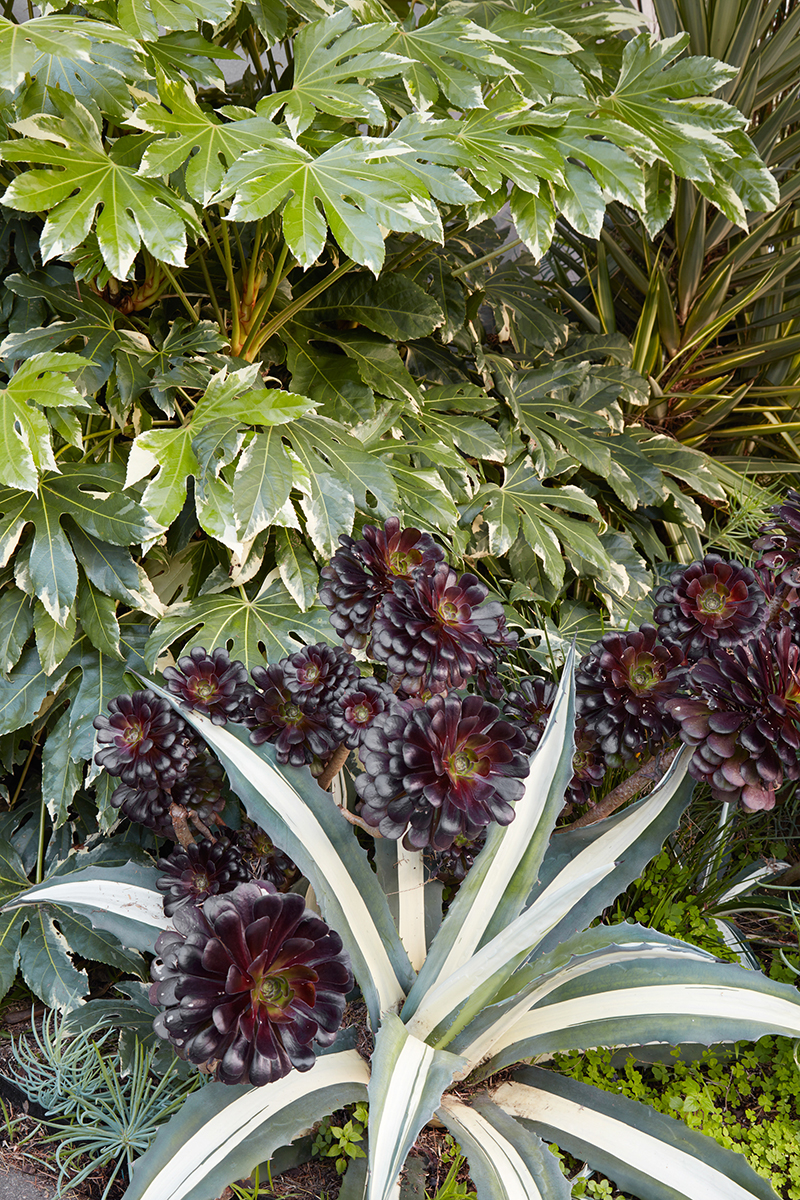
211, 684
742, 716
193, 873
713, 602
249, 983
441, 769
778, 543
144, 741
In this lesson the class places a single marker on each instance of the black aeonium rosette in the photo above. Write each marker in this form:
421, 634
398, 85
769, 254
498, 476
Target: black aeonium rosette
742, 715
210, 684
249, 983
529, 704
778, 543
146, 805
193, 873
144, 741
319, 671
713, 602
443, 769
356, 709
296, 724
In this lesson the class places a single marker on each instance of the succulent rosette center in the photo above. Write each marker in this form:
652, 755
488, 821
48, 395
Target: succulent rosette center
710, 602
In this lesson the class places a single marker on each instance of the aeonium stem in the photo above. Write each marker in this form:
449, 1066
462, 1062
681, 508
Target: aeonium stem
333, 766
649, 772
179, 817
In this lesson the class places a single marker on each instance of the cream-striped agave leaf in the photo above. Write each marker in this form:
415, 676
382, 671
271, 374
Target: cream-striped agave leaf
121, 900
402, 876
500, 880
303, 821
408, 1080
506, 1160
638, 991
642, 1151
221, 1132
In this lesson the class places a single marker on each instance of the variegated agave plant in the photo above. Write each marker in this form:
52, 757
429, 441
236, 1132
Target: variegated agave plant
512, 975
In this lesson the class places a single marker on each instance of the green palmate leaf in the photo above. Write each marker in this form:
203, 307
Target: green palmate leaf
451, 53
122, 900
26, 448
300, 819
406, 1086
24, 691
53, 641
16, 623
262, 483
84, 178
190, 133
580, 200
644, 1152
506, 1160
22, 45
98, 617
227, 1130
90, 496
61, 777
394, 306
330, 57
105, 80
143, 17
269, 626
534, 218
518, 305
346, 184
46, 965
669, 456
332, 381
298, 571
12, 880
540, 399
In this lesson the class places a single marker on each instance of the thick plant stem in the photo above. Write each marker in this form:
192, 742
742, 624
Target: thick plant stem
333, 766
180, 824
648, 773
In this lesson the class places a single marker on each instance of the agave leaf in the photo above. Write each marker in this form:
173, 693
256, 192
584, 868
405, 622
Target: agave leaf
408, 1079
305, 823
506, 1160
221, 1132
642, 1151
501, 879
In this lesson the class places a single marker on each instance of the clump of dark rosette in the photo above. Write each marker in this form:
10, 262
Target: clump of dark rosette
434, 631
146, 805
452, 866
361, 573
249, 983
200, 789
778, 543
529, 704
357, 707
211, 684
445, 769
264, 859
319, 671
743, 718
296, 724
622, 686
144, 741
710, 602
193, 873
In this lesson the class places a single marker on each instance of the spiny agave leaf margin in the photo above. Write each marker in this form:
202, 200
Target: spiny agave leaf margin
121, 900
506, 1160
222, 1132
304, 822
500, 881
456, 999
642, 1151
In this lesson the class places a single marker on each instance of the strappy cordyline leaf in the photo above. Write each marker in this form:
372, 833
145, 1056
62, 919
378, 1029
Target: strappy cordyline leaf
90, 496
83, 179
210, 145
642, 1151
298, 816
269, 626
22, 44
501, 879
225, 1130
330, 57
359, 188
26, 449
406, 1086
506, 1160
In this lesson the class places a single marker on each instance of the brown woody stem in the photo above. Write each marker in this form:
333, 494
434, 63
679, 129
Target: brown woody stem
354, 819
650, 771
198, 822
180, 824
333, 766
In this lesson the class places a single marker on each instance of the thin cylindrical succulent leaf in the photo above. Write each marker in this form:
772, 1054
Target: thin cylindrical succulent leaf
221, 1133
630, 994
457, 998
122, 900
506, 1160
301, 820
642, 1151
502, 877
406, 1087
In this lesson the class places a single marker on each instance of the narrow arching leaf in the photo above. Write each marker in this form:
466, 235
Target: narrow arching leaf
642, 1151
222, 1132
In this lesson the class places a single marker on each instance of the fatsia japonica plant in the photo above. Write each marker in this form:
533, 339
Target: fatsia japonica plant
250, 983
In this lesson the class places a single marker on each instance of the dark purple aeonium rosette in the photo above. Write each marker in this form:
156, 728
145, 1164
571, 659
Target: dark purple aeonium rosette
622, 686
742, 716
193, 873
434, 631
144, 741
709, 602
249, 983
319, 671
446, 768
295, 723
356, 709
529, 705
211, 684
778, 543
361, 573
